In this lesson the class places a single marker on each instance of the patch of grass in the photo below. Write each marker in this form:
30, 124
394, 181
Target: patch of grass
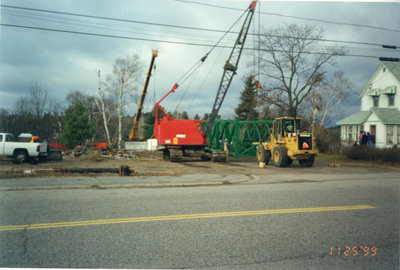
333, 157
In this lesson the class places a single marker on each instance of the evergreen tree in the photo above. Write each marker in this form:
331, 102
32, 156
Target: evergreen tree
184, 115
78, 127
246, 110
149, 119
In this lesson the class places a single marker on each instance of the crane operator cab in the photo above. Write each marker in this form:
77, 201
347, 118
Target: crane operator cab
286, 127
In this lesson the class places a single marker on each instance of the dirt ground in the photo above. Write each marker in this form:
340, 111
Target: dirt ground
152, 164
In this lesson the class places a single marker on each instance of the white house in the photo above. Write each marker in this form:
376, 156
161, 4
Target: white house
380, 109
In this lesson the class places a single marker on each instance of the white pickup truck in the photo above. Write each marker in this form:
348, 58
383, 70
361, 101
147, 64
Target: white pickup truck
21, 151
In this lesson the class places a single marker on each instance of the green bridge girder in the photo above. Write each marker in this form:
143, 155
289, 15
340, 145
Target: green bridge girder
240, 136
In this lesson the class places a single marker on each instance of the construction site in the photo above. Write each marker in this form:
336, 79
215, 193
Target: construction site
281, 141
184, 145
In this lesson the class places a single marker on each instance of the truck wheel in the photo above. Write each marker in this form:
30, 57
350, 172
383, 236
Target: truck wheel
280, 156
263, 155
307, 162
20, 156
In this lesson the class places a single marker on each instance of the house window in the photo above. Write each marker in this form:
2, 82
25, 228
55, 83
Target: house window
389, 134
391, 99
350, 130
375, 100
398, 134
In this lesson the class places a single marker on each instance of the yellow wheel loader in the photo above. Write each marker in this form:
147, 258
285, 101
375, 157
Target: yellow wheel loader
287, 143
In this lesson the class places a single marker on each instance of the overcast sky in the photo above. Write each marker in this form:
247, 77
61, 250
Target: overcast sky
61, 62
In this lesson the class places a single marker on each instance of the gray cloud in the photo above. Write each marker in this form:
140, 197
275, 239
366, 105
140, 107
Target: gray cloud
63, 62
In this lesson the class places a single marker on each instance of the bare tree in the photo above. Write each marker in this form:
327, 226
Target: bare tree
33, 105
316, 101
331, 93
39, 99
39, 103
292, 65
103, 108
123, 82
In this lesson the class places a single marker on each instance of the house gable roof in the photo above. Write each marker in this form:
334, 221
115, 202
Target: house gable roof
388, 116
355, 119
393, 67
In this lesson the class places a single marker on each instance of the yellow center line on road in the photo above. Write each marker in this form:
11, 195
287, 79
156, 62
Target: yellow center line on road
182, 217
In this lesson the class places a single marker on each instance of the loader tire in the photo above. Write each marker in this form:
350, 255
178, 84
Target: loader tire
280, 156
307, 162
263, 155
289, 161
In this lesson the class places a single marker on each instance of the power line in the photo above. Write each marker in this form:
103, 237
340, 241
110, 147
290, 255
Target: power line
109, 36
156, 40
295, 17
185, 27
111, 19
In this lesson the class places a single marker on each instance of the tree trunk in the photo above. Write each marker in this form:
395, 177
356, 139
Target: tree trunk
103, 111
121, 93
314, 118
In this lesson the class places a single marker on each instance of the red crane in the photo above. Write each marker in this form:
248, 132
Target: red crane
182, 138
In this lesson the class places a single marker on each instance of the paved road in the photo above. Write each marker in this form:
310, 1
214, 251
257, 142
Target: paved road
207, 227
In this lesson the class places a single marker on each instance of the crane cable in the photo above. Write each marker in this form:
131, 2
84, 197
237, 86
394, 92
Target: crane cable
194, 69
196, 66
217, 59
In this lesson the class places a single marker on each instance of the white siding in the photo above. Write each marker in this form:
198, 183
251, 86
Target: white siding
381, 80
366, 103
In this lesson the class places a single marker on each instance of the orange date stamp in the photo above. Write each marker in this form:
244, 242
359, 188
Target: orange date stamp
352, 251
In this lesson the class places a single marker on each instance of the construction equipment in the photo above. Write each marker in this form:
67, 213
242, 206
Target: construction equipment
287, 142
188, 138
134, 134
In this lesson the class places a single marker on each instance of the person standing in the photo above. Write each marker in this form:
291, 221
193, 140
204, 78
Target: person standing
369, 140
360, 137
226, 148
364, 138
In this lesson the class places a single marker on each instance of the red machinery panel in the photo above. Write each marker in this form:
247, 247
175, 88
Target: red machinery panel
171, 131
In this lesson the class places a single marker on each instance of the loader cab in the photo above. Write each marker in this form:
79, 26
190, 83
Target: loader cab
286, 127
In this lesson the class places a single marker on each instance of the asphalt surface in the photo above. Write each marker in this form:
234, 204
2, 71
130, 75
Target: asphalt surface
108, 234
